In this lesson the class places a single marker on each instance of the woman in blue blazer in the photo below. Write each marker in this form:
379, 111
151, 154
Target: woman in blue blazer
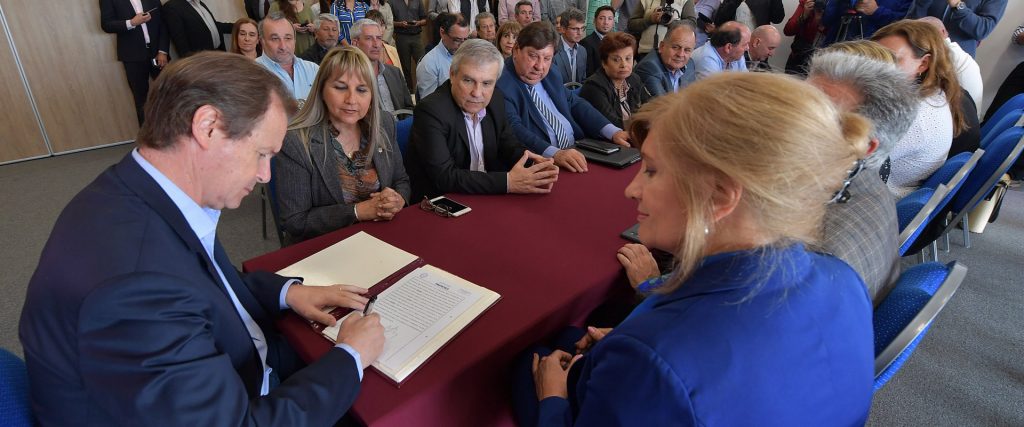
750, 328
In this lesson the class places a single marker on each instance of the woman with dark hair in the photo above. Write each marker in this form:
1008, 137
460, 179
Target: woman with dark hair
301, 18
613, 89
340, 162
245, 38
921, 53
506, 38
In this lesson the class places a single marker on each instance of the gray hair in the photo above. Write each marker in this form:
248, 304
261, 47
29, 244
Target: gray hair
357, 29
274, 16
484, 15
477, 52
572, 14
678, 25
889, 99
326, 17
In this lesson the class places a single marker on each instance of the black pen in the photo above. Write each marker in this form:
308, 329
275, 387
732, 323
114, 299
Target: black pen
369, 305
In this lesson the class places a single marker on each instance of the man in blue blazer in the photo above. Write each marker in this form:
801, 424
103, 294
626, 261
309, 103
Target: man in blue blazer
551, 128
666, 70
968, 22
136, 316
571, 57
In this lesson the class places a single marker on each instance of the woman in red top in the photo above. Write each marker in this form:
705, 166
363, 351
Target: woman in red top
805, 28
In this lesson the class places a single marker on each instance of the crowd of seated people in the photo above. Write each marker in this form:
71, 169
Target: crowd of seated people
496, 110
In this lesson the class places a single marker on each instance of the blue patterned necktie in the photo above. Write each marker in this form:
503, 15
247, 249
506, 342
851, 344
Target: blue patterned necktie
564, 140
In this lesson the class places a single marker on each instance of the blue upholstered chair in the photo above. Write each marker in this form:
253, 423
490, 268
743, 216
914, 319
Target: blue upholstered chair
905, 315
953, 174
999, 155
404, 128
915, 210
997, 127
1015, 103
14, 406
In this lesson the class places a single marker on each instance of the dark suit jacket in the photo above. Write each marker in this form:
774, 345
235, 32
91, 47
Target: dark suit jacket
252, 9
592, 43
188, 31
654, 75
599, 91
438, 157
400, 96
526, 121
314, 54
308, 188
126, 322
131, 44
560, 63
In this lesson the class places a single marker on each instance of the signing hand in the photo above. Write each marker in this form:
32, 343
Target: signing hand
309, 301
140, 19
538, 178
638, 262
621, 137
592, 337
551, 372
570, 159
365, 334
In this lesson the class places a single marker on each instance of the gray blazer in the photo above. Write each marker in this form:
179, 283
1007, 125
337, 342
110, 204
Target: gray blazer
400, 96
309, 198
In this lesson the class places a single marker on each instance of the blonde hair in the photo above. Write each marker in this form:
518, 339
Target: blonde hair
790, 157
865, 48
924, 39
313, 115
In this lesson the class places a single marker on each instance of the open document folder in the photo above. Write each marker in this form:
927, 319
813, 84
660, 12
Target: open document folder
421, 306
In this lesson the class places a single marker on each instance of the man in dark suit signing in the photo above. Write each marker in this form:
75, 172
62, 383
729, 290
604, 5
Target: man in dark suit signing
136, 316
544, 115
193, 27
142, 42
461, 141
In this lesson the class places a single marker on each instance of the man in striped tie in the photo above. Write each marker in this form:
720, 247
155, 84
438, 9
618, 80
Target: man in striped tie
545, 116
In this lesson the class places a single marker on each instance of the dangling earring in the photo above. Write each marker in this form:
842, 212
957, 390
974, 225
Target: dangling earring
706, 231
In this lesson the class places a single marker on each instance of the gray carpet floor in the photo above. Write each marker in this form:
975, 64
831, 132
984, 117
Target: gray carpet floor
969, 370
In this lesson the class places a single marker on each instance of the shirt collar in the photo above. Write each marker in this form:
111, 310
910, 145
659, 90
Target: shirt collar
202, 221
479, 115
566, 45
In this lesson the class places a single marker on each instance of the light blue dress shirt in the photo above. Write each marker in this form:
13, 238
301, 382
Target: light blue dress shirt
304, 71
707, 61
608, 131
433, 70
203, 222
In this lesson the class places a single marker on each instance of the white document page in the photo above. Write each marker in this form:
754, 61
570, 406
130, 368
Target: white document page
420, 313
360, 260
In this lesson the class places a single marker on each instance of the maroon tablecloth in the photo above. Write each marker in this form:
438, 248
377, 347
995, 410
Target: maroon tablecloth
552, 259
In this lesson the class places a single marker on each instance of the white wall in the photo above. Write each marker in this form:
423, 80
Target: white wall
997, 56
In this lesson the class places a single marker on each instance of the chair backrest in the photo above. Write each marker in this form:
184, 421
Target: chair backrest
14, 406
915, 210
997, 127
404, 128
954, 165
1017, 102
996, 160
904, 316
